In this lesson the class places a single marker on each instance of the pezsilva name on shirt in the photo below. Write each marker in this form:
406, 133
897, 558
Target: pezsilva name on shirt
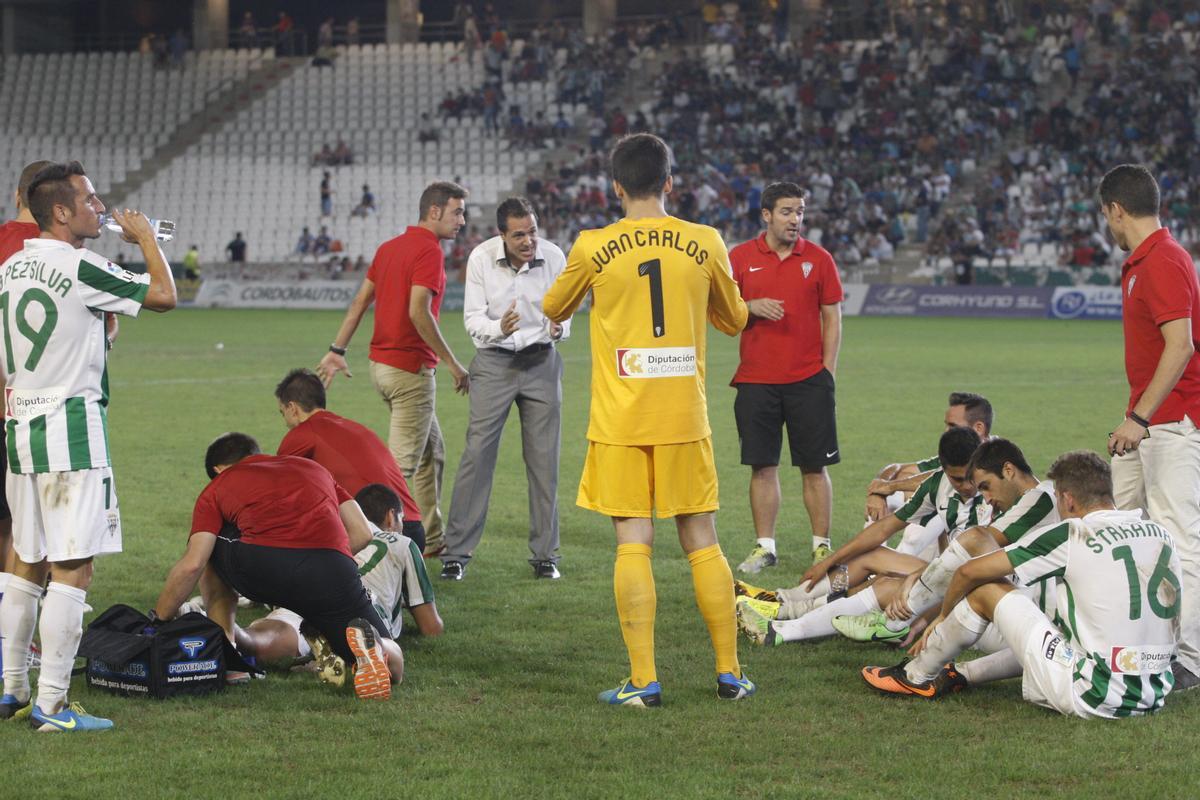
655, 362
648, 238
37, 270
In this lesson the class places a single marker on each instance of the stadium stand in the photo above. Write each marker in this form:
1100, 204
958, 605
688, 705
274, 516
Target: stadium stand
109, 110
961, 149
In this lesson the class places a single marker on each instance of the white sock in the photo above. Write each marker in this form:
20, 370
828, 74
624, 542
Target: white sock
935, 580
993, 667
61, 628
819, 621
819, 541
18, 614
766, 544
806, 590
956, 633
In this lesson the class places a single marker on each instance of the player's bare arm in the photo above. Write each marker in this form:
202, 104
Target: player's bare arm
1177, 352
429, 622
420, 310
332, 363
867, 540
135, 229
184, 576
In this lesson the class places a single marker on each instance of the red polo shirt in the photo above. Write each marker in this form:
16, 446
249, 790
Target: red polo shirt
275, 502
13, 235
413, 258
351, 452
788, 350
1158, 284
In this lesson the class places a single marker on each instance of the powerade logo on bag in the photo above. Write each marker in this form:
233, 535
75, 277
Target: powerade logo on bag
191, 646
134, 669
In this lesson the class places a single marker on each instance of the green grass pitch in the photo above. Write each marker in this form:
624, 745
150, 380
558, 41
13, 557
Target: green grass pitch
503, 704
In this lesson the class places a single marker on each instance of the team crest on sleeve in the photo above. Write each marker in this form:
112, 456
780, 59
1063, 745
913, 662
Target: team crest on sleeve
807, 267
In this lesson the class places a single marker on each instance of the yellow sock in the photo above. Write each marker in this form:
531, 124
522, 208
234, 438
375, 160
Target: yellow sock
713, 583
633, 585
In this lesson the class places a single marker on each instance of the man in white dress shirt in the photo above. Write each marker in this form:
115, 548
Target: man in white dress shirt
515, 362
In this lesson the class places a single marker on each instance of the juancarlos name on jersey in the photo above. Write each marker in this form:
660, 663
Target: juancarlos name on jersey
52, 302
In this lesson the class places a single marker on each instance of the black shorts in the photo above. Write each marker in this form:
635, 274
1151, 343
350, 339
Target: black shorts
322, 586
415, 530
807, 409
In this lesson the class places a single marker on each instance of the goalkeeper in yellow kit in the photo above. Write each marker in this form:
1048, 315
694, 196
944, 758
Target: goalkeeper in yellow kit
655, 281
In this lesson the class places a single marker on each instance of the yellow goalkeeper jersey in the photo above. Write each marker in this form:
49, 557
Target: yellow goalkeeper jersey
654, 282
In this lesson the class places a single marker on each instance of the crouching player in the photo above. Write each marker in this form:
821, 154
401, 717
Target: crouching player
1108, 650
393, 573
296, 530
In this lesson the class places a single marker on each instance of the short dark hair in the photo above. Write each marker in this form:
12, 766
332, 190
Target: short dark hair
978, 409
302, 387
27, 175
512, 208
1085, 475
956, 447
228, 449
779, 190
439, 193
51, 187
992, 455
375, 500
641, 163
1132, 187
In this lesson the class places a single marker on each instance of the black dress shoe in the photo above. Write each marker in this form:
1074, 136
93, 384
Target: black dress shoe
453, 571
546, 569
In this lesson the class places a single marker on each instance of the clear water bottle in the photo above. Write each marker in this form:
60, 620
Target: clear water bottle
164, 229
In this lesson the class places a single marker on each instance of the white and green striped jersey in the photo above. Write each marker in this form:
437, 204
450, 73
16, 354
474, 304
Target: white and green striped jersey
393, 571
1035, 509
1118, 597
936, 498
52, 302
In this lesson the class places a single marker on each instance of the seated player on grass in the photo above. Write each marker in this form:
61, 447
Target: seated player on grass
1108, 650
280, 531
1020, 503
393, 572
895, 483
808, 610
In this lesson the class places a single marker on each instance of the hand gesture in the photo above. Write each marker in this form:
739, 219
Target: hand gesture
511, 319
135, 228
331, 365
556, 331
462, 378
766, 308
898, 608
916, 649
817, 571
1126, 438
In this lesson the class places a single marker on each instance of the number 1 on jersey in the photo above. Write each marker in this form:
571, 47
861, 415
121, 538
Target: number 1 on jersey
653, 269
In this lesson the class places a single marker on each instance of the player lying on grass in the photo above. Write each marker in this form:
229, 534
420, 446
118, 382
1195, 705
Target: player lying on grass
293, 532
1108, 650
393, 572
808, 610
1020, 503
895, 483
